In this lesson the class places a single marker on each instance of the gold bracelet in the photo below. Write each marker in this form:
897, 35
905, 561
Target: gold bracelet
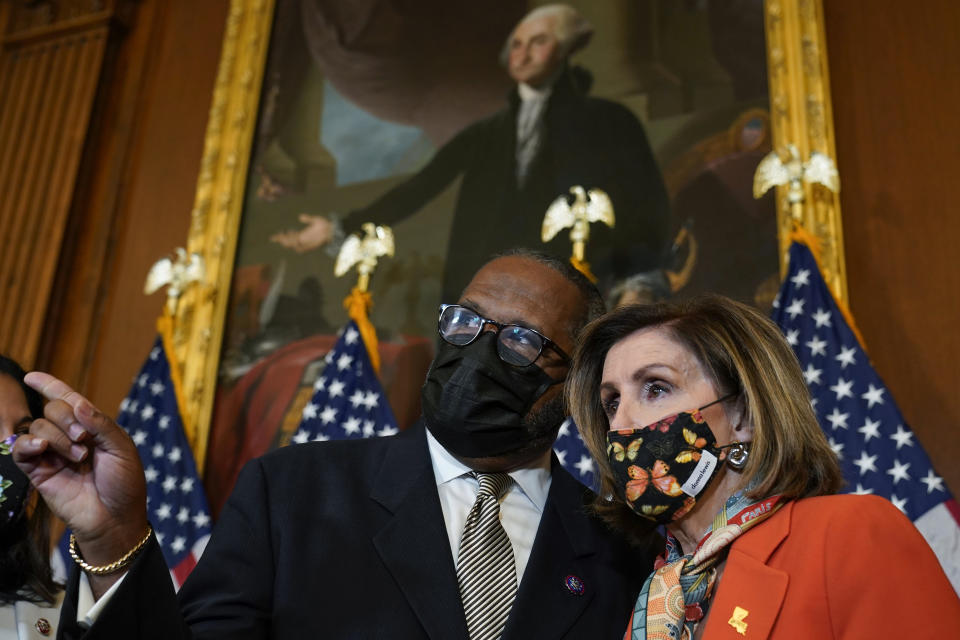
113, 567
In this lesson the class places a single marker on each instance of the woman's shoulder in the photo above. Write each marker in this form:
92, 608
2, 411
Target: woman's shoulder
848, 507
874, 521
862, 535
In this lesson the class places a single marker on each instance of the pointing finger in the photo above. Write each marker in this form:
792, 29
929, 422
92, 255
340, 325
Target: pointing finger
53, 388
88, 418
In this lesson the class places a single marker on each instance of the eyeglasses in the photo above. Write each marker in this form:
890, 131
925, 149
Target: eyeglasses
516, 345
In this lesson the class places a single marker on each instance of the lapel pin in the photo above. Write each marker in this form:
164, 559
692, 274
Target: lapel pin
574, 585
43, 626
736, 620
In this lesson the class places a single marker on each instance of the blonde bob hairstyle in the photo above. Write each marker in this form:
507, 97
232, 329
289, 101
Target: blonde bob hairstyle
742, 352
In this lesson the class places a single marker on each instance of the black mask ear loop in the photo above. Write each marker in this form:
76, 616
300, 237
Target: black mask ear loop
732, 394
739, 451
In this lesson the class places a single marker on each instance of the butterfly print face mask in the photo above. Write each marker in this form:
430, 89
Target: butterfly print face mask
661, 468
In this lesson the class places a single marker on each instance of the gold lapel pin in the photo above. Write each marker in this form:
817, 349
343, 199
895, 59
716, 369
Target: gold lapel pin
736, 620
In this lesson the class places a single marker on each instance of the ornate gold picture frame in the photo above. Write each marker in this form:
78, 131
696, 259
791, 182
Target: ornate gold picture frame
800, 114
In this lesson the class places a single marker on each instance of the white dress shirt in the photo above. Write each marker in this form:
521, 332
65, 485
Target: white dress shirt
88, 609
520, 508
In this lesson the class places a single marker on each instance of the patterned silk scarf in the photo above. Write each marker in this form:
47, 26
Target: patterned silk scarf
675, 597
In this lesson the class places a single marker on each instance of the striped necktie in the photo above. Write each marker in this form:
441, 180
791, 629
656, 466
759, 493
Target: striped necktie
485, 567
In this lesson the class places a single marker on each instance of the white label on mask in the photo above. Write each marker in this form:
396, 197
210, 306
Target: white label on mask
701, 474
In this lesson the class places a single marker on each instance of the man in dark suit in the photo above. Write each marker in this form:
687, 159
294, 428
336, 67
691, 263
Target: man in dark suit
360, 539
550, 136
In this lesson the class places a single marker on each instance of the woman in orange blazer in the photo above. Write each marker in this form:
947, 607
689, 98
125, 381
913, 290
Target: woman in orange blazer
700, 420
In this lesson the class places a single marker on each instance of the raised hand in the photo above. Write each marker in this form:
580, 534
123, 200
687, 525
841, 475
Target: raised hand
87, 470
317, 232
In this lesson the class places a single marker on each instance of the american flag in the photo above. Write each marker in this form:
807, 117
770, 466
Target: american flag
176, 504
573, 454
347, 401
877, 449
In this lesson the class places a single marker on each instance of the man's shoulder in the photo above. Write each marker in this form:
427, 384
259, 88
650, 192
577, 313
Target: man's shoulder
329, 457
629, 556
601, 107
575, 502
569, 491
591, 118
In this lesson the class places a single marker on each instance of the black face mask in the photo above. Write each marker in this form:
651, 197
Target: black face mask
474, 403
14, 487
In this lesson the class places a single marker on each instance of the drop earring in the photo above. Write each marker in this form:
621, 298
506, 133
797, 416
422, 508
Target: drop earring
738, 454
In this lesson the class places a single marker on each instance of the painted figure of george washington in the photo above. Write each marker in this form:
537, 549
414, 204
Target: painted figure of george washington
550, 136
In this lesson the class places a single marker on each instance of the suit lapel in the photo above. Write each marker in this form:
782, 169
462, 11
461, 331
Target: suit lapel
748, 589
413, 543
546, 607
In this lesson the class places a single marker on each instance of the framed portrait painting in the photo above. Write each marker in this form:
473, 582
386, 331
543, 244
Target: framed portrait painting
460, 125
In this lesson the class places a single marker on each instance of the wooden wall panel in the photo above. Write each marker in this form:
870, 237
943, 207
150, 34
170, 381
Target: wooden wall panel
894, 69
143, 170
44, 119
70, 331
103, 108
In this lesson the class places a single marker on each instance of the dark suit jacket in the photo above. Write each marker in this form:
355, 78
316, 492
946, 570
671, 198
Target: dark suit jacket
346, 540
587, 141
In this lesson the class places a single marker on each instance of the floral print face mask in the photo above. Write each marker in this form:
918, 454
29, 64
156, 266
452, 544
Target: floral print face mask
661, 468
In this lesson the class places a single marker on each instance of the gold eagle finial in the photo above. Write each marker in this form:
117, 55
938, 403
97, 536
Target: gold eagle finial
376, 243
784, 167
178, 272
588, 206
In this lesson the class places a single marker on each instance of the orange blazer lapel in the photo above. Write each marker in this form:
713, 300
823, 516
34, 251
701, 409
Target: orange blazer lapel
750, 594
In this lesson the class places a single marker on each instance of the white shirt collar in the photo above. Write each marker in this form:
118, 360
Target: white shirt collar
528, 93
533, 479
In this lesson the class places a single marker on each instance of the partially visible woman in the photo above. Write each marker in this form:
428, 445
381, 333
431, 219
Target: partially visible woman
699, 419
29, 598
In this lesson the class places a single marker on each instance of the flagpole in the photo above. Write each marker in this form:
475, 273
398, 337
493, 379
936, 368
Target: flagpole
178, 272
364, 253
